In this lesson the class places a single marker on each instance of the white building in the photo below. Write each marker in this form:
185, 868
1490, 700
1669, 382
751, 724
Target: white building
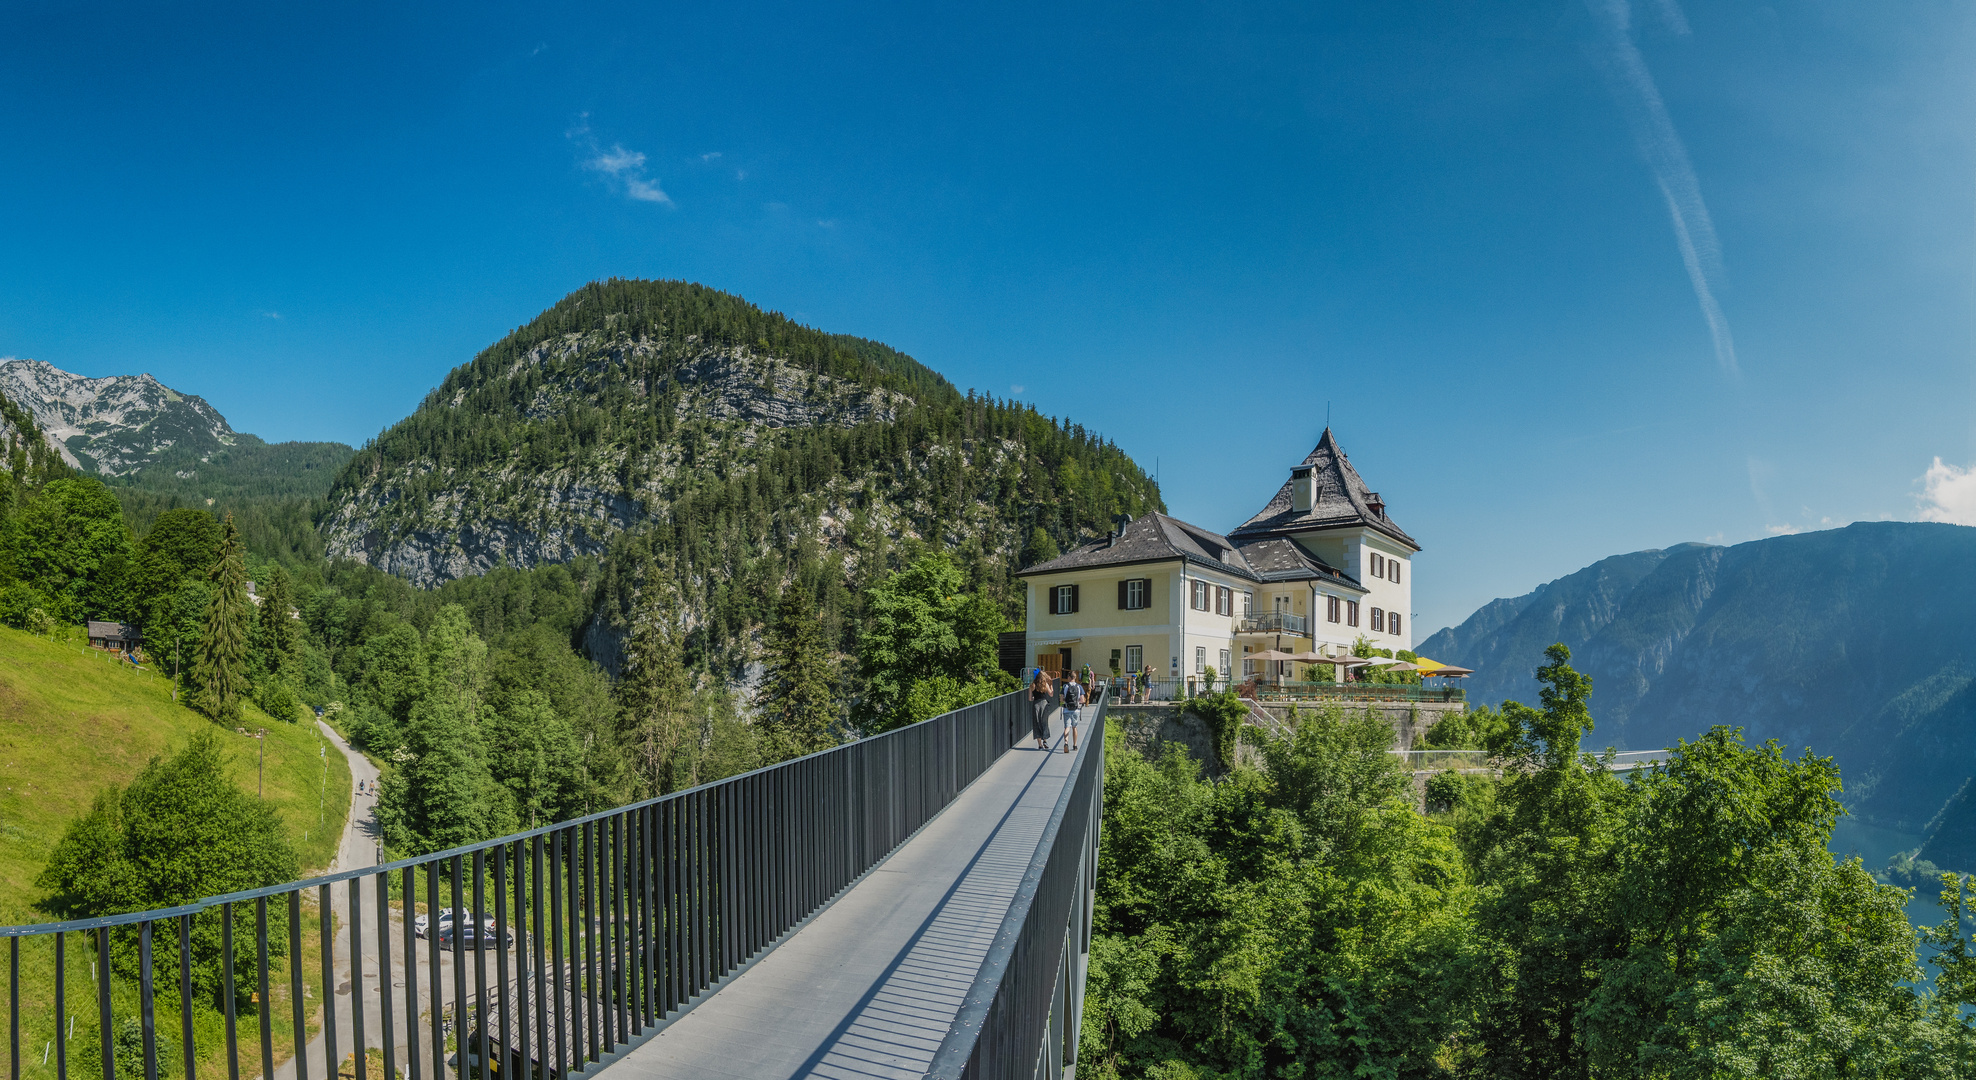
1320, 566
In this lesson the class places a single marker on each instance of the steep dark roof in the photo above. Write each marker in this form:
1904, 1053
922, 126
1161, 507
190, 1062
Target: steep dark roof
1159, 538
1153, 537
1277, 559
1342, 501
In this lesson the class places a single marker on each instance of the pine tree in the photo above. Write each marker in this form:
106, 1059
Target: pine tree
657, 694
221, 668
798, 706
274, 632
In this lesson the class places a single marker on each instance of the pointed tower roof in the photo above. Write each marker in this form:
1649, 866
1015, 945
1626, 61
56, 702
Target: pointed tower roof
1341, 501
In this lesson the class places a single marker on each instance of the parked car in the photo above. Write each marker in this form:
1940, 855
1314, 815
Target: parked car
474, 936
423, 922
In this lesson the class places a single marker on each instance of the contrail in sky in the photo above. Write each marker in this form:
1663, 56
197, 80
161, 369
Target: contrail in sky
1673, 172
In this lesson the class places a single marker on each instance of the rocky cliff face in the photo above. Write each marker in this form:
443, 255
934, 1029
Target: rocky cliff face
1859, 643
112, 426
523, 511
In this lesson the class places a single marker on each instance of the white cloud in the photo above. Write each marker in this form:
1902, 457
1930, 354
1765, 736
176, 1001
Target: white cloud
271, 314
1015, 388
1782, 530
709, 157
1660, 144
1948, 494
623, 168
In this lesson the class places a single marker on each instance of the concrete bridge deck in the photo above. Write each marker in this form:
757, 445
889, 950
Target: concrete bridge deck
871, 984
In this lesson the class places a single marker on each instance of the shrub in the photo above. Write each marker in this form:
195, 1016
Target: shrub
274, 698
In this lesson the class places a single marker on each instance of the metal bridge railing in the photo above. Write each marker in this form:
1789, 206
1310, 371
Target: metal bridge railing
601, 930
1020, 1018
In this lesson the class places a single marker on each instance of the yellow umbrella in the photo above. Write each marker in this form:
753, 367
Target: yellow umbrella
1426, 666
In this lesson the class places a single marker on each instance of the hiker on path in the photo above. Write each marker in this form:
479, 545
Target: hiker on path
1040, 690
1073, 703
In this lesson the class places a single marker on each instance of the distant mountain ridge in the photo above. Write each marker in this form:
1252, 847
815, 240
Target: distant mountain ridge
1859, 643
112, 426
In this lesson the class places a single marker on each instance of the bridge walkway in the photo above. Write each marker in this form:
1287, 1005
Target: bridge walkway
869, 987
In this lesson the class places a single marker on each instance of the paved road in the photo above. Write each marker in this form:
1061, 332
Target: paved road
359, 849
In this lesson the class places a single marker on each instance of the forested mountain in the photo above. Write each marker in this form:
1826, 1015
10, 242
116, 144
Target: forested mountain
663, 423
1857, 642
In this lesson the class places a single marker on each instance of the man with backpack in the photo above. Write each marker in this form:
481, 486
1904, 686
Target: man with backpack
1073, 701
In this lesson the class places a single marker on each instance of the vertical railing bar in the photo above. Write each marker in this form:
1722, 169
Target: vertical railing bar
433, 961
104, 1030
387, 1018
14, 1003
479, 957
62, 1003
587, 871
648, 829
523, 938
618, 921
559, 1028
541, 997
501, 1003
185, 991
460, 915
263, 1006
408, 887
675, 907
358, 1049
298, 1016
326, 913
232, 994
147, 999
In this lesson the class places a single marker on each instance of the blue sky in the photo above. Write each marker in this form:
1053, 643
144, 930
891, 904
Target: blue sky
1572, 278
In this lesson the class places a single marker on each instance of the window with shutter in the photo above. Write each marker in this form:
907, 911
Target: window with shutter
1392, 622
1200, 659
1351, 612
1393, 570
1227, 670
1073, 599
1378, 619
1378, 565
1060, 600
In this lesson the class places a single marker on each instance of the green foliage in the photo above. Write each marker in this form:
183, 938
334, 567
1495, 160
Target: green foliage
798, 703
70, 545
127, 1044
656, 696
442, 794
183, 830
1224, 713
220, 670
275, 699
921, 624
1477, 728
180, 546
1297, 921
1041, 547
277, 636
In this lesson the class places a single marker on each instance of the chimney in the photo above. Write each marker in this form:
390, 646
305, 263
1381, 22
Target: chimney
1303, 488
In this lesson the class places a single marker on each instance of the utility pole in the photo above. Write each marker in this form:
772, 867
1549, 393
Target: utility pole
174, 669
261, 779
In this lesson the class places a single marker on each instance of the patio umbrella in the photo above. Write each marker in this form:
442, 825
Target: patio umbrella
1387, 661
1426, 666
1399, 665
1449, 671
1268, 654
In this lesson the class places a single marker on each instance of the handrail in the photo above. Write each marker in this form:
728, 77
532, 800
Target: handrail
1021, 1014
605, 928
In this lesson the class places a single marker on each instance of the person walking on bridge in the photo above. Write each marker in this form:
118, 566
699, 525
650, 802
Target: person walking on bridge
1073, 703
1041, 689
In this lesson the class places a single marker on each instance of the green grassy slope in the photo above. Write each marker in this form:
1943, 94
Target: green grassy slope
73, 723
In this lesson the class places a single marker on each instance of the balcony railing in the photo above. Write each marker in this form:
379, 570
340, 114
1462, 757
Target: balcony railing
1274, 622
1351, 691
601, 930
